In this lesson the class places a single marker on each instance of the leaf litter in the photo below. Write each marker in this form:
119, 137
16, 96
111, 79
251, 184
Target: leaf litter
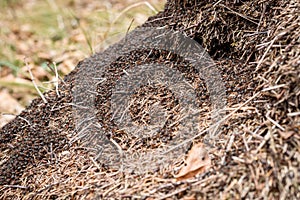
197, 162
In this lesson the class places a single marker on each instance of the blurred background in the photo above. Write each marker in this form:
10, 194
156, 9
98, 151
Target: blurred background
45, 35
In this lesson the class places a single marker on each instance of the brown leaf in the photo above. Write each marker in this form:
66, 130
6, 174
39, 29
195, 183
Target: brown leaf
286, 134
197, 162
191, 197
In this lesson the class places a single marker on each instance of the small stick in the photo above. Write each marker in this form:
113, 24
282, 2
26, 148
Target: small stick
274, 122
24, 120
56, 79
173, 193
268, 48
274, 87
34, 83
293, 114
228, 148
241, 15
16, 186
55, 71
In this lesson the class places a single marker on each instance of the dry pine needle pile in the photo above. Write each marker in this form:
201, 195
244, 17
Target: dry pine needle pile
256, 47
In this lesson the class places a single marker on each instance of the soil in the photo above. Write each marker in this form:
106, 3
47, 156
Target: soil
255, 46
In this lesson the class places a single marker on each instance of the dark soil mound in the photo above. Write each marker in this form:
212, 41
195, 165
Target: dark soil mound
255, 46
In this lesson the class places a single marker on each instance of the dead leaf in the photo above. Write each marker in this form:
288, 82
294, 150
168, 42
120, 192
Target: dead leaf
197, 162
286, 134
191, 197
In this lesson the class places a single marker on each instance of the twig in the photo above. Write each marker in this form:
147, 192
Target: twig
245, 143
118, 147
95, 163
33, 82
274, 87
16, 186
274, 122
215, 4
293, 114
239, 14
25, 120
55, 72
173, 193
267, 50
110, 189
261, 17
228, 148
266, 138
56, 77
